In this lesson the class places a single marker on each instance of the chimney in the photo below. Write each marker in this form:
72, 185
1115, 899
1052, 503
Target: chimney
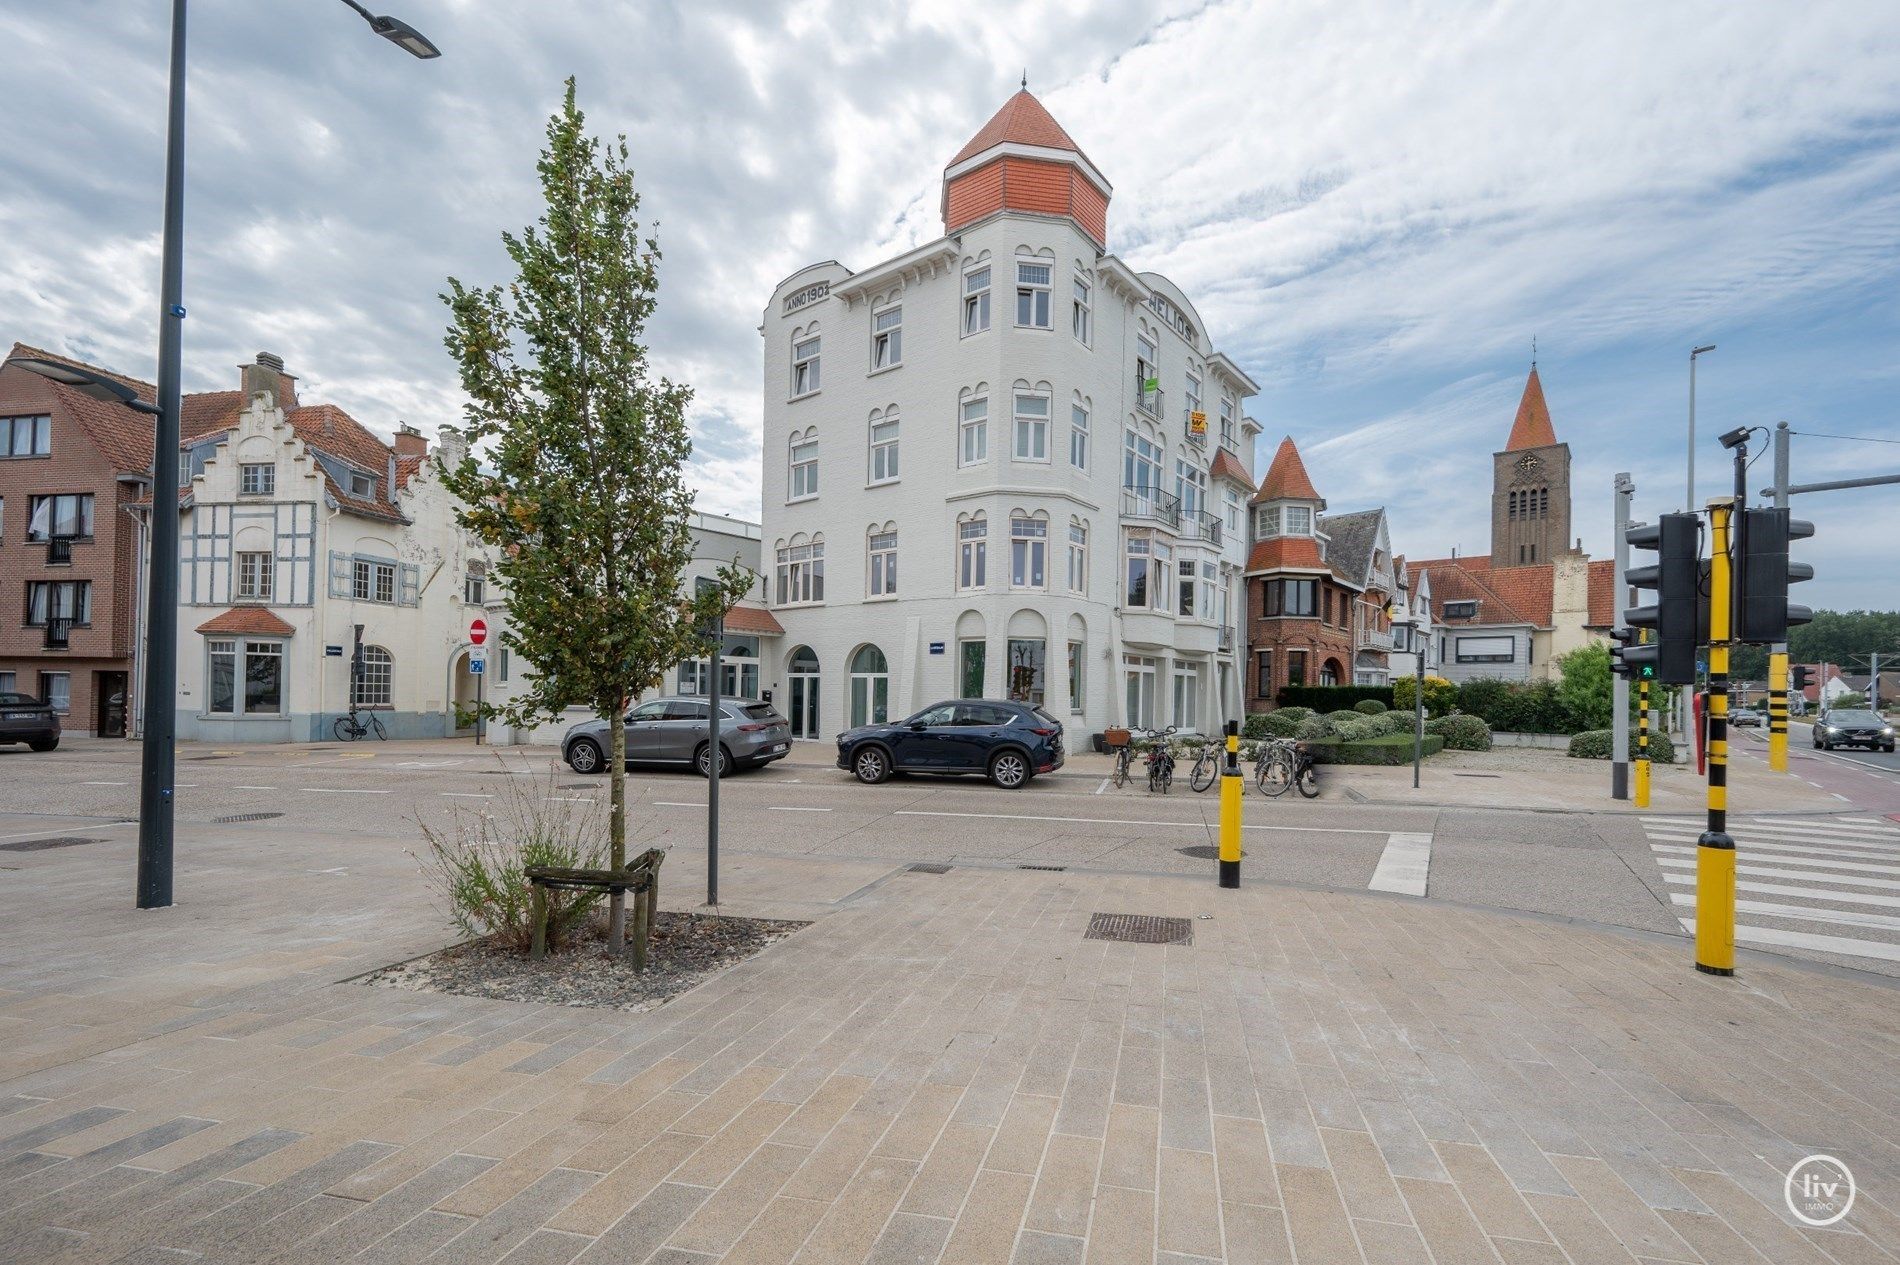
266, 374
409, 441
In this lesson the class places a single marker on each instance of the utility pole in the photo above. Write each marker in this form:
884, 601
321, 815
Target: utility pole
1715, 849
1778, 652
1619, 684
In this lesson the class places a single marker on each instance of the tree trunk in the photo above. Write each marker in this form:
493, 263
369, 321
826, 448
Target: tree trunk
617, 827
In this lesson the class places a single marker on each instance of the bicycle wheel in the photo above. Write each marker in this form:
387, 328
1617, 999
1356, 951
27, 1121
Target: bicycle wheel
1275, 775
1309, 782
1120, 776
344, 729
1205, 770
376, 727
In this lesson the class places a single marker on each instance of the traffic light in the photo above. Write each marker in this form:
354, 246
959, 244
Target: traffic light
1763, 574
1670, 653
1620, 639
1800, 676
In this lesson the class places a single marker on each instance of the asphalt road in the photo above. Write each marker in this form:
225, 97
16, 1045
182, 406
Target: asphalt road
1597, 867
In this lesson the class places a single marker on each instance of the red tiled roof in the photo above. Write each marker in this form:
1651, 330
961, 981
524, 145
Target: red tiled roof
1227, 466
124, 435
753, 619
407, 468
1284, 553
1286, 477
1505, 595
1532, 429
208, 412
328, 429
253, 620
1021, 121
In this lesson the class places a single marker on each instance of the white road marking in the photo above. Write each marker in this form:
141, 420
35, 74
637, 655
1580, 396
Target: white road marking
462, 795
1806, 940
255, 788
1841, 797
775, 808
340, 790
41, 832
1792, 856
105, 783
1773, 871
568, 799
668, 803
1785, 843
1404, 865
1127, 821
1785, 889
1104, 785
1805, 913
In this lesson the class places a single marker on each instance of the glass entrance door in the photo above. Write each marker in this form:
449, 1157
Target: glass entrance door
972, 656
802, 679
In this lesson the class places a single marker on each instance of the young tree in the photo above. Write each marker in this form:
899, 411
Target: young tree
574, 457
1585, 687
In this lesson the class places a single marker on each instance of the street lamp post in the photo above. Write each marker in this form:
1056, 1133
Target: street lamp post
157, 761
1415, 627
1689, 502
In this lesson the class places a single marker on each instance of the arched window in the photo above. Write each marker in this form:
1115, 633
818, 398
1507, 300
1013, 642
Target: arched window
884, 436
375, 679
973, 549
475, 584
870, 687
1028, 549
801, 671
1329, 672
805, 360
804, 464
973, 425
882, 552
976, 294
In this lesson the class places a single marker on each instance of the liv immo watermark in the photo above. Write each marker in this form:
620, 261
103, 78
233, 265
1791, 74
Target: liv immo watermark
1819, 1190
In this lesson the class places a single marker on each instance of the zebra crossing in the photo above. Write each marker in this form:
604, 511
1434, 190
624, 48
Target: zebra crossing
1824, 884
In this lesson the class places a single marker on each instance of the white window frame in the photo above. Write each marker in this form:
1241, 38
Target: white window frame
802, 466
1078, 557
376, 688
257, 478
1079, 436
1227, 409
28, 435
241, 650
363, 485
882, 552
1033, 295
799, 574
976, 299
887, 337
1030, 430
1147, 365
1082, 311
254, 574
1190, 486
807, 363
973, 544
1139, 453
50, 695
1078, 676
475, 585
371, 578
1299, 520
973, 431
1028, 552
1232, 499
884, 450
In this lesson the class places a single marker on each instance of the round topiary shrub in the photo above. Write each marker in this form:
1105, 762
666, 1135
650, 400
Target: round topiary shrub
1282, 724
1370, 706
1296, 713
1314, 729
1255, 726
1357, 730
1346, 717
1591, 744
1461, 732
1390, 722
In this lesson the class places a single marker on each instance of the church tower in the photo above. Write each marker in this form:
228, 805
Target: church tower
1530, 487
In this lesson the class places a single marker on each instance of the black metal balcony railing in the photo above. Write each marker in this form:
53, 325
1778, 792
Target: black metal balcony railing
58, 632
1142, 502
1207, 526
1147, 401
59, 551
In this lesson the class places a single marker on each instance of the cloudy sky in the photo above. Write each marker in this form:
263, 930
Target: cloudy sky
1375, 205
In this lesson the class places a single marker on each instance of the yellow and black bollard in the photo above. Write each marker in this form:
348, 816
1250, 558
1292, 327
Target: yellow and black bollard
1778, 710
1231, 788
1715, 850
1642, 743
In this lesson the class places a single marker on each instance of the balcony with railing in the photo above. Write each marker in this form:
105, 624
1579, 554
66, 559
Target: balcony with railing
58, 632
1151, 503
1227, 637
59, 551
1375, 639
1203, 524
1147, 401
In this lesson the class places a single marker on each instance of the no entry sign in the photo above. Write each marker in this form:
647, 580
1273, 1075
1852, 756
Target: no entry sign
477, 631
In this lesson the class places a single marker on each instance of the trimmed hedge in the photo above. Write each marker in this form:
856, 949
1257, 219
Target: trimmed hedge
1388, 749
1599, 744
1534, 707
1461, 732
1328, 698
1286, 722
1370, 706
1254, 725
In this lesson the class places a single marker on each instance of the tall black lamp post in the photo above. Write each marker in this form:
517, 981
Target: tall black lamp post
161, 638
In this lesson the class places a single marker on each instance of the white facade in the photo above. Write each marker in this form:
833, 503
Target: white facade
966, 492
276, 572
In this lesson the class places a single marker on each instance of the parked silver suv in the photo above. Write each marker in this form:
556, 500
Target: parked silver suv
673, 731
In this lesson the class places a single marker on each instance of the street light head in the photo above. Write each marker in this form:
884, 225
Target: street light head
405, 37
1697, 351
83, 380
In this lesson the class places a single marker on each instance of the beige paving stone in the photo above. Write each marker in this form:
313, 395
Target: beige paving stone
621, 1139
1024, 1133
520, 1170
598, 1209
723, 1218
727, 1101
986, 1227
1244, 1162
1065, 1186
1528, 1251
1577, 1230
713, 1163
1384, 1243
849, 1230
1316, 1218
1442, 1218
949, 1170
833, 1161
817, 1115
1365, 1183
779, 1232
1762, 1227
1034, 1247
1635, 1225
1122, 1229
1256, 1233
1129, 1155
1189, 1201
1493, 1200
918, 1125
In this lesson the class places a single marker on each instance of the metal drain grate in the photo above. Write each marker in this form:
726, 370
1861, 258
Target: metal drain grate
929, 867
41, 845
245, 817
1139, 929
1053, 869
1201, 852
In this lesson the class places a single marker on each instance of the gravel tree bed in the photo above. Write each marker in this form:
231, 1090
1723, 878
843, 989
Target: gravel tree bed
686, 949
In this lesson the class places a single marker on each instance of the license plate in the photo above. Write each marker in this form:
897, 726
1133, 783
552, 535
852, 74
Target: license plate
19, 715
777, 747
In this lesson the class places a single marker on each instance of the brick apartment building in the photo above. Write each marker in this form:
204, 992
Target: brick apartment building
69, 467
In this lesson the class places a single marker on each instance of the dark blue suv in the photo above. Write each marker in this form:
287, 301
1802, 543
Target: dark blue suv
1007, 742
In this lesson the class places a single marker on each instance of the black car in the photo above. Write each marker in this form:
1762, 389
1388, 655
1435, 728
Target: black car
24, 718
1008, 742
1844, 728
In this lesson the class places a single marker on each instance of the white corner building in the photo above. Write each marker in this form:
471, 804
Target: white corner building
1004, 464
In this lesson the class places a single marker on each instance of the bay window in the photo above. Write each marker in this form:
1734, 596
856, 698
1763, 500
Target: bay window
1028, 552
1032, 427
972, 552
1078, 557
1032, 294
1079, 437
245, 677
976, 300
1292, 597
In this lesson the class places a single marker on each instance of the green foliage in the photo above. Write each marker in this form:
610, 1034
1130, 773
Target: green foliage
1370, 706
1440, 695
1534, 707
1849, 699
1585, 688
1314, 728
1600, 744
1461, 732
477, 865
572, 470
1297, 713
1286, 722
1831, 637
1255, 725
1388, 749
1326, 698
1394, 722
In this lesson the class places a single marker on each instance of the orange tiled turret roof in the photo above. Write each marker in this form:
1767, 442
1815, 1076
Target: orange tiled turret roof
1532, 429
1286, 477
1021, 121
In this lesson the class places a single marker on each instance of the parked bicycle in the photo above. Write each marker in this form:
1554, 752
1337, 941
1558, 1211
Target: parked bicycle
1160, 762
1207, 764
1122, 743
1283, 762
349, 728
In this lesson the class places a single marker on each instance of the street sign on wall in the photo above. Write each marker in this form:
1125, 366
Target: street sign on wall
477, 631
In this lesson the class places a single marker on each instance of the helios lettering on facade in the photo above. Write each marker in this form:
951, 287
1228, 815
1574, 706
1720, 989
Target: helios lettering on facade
810, 294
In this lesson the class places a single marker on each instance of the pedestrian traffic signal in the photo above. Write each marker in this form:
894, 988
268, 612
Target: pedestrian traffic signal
1800, 676
1763, 574
1671, 651
1622, 640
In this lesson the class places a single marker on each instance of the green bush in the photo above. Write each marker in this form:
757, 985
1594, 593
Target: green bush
1585, 688
1440, 695
1389, 749
1535, 707
1297, 713
1286, 722
1356, 730
1370, 706
1327, 698
1600, 744
1461, 732
1394, 722
1341, 717
1256, 725
1313, 729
